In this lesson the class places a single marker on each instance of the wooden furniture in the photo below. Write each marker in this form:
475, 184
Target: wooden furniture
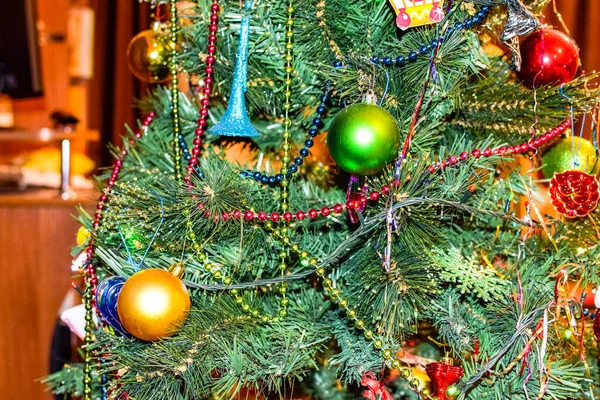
45, 135
37, 230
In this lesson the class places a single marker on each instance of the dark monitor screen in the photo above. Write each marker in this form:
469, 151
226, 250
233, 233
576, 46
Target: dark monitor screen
20, 66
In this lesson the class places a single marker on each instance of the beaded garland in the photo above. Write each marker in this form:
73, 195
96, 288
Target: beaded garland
177, 134
287, 94
317, 123
205, 102
287, 123
215, 271
281, 233
412, 56
374, 195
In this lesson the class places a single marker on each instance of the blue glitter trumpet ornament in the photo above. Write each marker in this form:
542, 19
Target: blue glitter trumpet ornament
107, 295
235, 121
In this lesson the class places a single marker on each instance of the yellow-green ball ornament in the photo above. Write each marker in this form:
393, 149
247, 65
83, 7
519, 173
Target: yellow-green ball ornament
452, 392
363, 138
569, 154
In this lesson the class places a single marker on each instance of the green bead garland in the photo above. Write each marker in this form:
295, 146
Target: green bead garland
88, 340
287, 94
175, 92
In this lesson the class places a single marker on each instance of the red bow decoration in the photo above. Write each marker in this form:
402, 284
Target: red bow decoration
574, 193
442, 376
376, 389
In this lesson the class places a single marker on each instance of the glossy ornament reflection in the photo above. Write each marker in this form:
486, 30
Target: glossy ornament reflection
363, 138
148, 56
107, 295
153, 304
548, 57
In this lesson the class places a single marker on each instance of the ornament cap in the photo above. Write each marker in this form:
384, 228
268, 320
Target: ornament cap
177, 269
447, 360
370, 97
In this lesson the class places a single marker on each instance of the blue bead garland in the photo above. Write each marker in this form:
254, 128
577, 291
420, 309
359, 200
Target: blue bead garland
103, 382
186, 152
402, 60
387, 61
317, 123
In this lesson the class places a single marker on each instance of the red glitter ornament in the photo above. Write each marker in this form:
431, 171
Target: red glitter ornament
548, 57
574, 193
443, 376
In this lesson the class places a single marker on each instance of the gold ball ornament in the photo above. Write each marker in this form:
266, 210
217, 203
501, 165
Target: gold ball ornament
148, 56
154, 303
581, 235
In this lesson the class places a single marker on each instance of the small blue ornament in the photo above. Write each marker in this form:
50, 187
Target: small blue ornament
235, 121
107, 295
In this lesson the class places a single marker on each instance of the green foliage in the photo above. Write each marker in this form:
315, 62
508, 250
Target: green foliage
219, 339
69, 381
356, 355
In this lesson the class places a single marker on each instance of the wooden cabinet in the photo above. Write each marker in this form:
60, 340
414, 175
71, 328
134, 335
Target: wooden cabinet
37, 230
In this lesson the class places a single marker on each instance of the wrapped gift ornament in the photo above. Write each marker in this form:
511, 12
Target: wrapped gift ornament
411, 13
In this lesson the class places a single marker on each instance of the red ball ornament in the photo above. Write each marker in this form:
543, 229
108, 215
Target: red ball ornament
549, 57
597, 326
574, 193
442, 377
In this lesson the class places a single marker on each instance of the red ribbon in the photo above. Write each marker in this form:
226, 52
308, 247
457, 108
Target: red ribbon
376, 390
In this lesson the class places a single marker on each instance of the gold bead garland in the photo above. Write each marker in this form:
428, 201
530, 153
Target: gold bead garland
217, 274
287, 105
88, 340
351, 313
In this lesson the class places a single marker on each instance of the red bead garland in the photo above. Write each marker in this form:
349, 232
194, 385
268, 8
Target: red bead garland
359, 202
356, 204
205, 102
91, 278
510, 150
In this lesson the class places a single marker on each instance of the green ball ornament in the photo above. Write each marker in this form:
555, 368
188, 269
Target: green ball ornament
363, 138
452, 392
569, 154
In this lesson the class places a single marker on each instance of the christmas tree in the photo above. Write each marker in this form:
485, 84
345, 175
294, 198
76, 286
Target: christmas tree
235, 254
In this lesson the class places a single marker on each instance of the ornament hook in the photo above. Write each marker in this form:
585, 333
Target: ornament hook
520, 22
